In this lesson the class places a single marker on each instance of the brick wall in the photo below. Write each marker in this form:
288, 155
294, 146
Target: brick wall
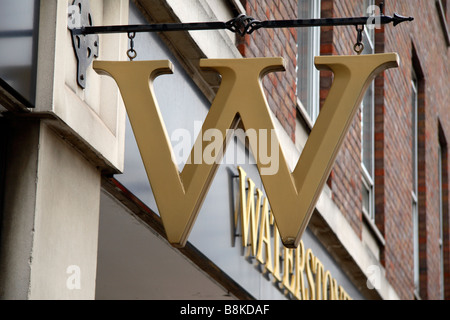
445, 209
421, 46
280, 87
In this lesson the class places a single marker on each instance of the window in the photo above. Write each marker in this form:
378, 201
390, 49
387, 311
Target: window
441, 218
367, 130
443, 213
369, 31
414, 193
308, 76
441, 6
19, 24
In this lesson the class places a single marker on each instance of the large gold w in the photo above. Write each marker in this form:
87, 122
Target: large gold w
292, 196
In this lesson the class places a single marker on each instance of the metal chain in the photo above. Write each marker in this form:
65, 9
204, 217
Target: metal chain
131, 53
359, 46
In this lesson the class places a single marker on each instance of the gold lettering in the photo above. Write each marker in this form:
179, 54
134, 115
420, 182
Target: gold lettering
310, 269
300, 287
296, 263
249, 216
288, 273
334, 290
343, 295
319, 279
276, 251
327, 286
264, 239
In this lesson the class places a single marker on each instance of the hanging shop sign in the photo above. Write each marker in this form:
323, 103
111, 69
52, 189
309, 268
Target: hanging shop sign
179, 196
292, 195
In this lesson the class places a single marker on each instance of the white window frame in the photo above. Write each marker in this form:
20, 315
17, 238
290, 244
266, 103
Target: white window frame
414, 192
441, 223
368, 177
368, 186
311, 107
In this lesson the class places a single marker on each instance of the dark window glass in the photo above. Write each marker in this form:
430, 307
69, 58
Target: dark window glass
18, 45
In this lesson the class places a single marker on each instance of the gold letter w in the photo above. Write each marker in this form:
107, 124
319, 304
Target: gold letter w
292, 196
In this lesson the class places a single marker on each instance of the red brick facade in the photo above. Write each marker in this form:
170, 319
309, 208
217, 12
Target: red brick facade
280, 88
422, 47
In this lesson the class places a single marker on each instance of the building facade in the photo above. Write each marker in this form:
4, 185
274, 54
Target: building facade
79, 217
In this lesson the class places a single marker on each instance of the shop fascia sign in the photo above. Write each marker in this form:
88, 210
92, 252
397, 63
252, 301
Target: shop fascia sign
298, 273
179, 195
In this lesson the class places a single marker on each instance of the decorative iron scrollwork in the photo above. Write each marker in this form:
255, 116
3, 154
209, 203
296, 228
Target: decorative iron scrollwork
243, 25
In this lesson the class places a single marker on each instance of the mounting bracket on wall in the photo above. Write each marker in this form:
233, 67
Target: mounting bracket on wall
86, 46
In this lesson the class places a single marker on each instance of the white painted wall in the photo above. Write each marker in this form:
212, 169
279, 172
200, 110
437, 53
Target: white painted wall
95, 115
65, 222
50, 218
51, 211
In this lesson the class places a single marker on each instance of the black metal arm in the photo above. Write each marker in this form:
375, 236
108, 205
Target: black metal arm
242, 25
86, 40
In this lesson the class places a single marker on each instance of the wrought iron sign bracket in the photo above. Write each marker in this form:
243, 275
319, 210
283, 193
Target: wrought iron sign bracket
86, 46
86, 40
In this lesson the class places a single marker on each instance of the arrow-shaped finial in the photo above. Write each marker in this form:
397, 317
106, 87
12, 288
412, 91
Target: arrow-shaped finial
399, 19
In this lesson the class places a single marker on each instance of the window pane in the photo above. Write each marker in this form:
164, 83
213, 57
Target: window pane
368, 196
416, 245
308, 48
18, 26
415, 206
441, 220
368, 41
370, 10
367, 121
444, 6
414, 104
366, 199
